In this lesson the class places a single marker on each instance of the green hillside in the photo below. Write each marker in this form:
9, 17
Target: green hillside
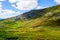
42, 24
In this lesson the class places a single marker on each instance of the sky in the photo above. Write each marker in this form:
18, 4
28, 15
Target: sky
10, 8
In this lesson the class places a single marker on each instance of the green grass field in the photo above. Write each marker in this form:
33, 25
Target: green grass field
39, 33
30, 30
46, 27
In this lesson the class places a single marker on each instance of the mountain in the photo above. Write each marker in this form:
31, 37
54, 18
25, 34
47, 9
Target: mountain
36, 13
42, 24
41, 15
1, 19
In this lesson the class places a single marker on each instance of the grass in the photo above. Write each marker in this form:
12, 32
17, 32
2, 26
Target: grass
42, 28
39, 33
30, 30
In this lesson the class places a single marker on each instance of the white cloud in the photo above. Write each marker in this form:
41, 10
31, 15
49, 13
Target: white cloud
24, 4
57, 1
12, 1
7, 13
39, 7
0, 4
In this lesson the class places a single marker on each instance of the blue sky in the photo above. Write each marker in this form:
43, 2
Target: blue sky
46, 3
10, 8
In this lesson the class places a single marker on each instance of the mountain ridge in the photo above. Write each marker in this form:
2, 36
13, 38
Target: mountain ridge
33, 25
35, 13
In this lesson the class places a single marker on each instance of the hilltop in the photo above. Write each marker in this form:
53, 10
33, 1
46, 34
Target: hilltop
47, 14
42, 24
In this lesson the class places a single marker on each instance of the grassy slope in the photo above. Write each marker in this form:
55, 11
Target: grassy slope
41, 28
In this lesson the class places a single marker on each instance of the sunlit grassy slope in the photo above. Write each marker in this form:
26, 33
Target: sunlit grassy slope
43, 25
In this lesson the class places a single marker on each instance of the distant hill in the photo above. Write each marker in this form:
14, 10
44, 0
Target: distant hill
47, 14
1, 19
37, 13
42, 24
